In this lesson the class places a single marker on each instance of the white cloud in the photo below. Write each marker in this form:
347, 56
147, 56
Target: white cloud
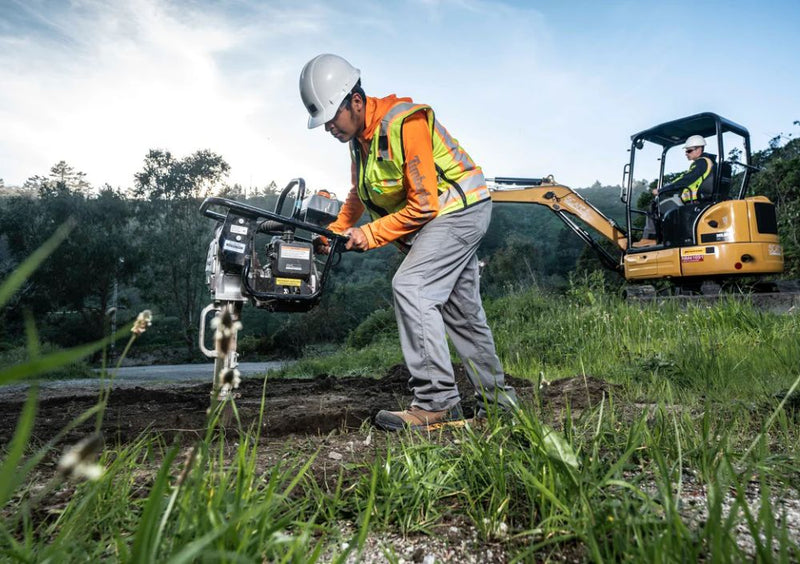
529, 91
111, 81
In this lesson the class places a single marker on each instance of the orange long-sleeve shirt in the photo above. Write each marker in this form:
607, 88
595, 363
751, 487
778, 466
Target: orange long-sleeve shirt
422, 195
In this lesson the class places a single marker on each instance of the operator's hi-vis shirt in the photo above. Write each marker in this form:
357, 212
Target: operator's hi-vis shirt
431, 182
698, 179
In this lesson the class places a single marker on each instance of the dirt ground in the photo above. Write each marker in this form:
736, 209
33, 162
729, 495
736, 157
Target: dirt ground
293, 407
328, 417
323, 415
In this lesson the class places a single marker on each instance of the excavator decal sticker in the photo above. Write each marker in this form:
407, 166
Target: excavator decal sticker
581, 209
696, 254
775, 250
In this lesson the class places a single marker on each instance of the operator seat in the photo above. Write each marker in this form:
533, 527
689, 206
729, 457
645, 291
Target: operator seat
724, 171
678, 225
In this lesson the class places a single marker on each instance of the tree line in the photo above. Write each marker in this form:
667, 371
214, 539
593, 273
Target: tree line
145, 247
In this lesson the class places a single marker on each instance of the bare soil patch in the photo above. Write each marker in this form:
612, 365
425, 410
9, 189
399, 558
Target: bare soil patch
324, 416
292, 406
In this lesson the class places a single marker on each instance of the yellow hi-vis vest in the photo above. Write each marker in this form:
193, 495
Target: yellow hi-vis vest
380, 179
691, 192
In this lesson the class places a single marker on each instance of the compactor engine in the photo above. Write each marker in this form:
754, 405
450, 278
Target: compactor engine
266, 258
285, 277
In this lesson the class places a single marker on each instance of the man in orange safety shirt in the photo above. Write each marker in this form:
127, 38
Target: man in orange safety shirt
424, 194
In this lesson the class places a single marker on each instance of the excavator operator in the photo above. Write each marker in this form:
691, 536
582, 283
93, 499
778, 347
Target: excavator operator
695, 183
424, 194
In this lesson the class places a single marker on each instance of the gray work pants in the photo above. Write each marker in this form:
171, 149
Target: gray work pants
435, 289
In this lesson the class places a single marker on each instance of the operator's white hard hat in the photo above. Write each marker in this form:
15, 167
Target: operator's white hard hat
695, 141
325, 81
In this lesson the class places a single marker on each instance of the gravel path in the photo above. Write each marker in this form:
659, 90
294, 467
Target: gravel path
145, 376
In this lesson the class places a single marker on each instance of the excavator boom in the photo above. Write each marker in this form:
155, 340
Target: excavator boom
566, 204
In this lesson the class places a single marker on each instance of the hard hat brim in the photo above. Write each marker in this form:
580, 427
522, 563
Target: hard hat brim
316, 121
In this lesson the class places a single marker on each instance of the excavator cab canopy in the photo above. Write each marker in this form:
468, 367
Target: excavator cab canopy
709, 125
677, 131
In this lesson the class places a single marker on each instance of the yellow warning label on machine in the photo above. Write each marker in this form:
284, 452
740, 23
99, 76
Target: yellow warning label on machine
287, 282
692, 255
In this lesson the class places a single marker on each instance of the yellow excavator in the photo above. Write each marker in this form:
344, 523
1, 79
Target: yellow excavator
725, 234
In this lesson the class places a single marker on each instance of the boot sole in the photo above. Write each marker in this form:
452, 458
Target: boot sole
397, 424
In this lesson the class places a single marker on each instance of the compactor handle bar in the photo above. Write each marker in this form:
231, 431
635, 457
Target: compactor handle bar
253, 212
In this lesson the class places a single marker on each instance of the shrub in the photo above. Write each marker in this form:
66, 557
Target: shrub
378, 325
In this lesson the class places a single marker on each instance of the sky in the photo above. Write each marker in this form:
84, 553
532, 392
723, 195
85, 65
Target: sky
529, 88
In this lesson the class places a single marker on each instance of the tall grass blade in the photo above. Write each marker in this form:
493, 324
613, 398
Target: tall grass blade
193, 550
32, 336
9, 470
17, 278
768, 424
362, 533
145, 548
41, 365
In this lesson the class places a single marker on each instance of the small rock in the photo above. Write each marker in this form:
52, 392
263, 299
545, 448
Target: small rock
333, 455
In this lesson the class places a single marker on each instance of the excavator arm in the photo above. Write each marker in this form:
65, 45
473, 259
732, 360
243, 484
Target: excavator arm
567, 205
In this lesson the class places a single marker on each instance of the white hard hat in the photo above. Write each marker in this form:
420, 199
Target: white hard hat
695, 141
324, 82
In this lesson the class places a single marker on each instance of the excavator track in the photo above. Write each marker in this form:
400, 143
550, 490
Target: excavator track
783, 299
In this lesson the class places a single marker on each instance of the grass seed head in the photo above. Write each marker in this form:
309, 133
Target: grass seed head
143, 321
230, 378
226, 329
79, 461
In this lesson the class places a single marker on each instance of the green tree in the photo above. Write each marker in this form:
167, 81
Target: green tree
62, 179
70, 293
779, 180
175, 234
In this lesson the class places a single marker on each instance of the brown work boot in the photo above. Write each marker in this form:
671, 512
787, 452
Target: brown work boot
417, 419
644, 243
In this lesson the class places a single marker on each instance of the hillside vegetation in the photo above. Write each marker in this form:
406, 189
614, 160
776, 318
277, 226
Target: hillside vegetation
146, 247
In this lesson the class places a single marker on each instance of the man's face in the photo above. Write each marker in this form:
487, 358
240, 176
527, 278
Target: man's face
348, 121
693, 153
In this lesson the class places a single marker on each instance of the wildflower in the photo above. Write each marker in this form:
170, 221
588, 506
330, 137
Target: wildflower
79, 460
226, 329
143, 321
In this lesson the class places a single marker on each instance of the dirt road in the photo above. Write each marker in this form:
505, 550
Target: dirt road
159, 376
